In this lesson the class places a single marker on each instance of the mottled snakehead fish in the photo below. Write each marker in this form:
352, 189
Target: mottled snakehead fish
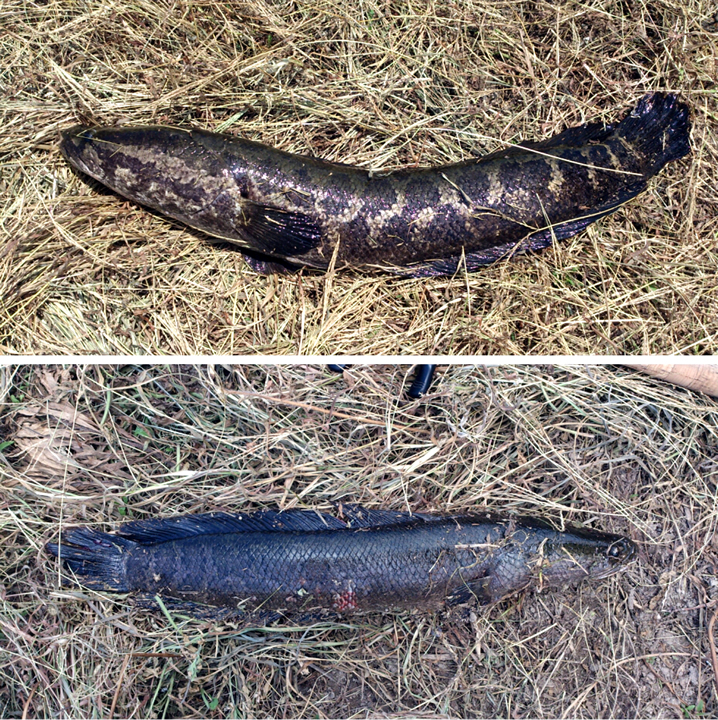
302, 211
307, 564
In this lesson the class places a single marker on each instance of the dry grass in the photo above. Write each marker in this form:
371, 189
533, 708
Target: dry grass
382, 86
599, 445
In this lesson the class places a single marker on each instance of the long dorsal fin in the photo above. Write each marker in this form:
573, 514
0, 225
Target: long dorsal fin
576, 136
149, 532
166, 529
357, 516
571, 137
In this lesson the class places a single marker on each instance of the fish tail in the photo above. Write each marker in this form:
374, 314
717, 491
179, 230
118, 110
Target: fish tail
97, 556
658, 128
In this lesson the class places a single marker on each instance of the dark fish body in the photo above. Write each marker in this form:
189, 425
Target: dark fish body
303, 563
305, 211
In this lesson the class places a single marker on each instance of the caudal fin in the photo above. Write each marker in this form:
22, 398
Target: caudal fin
99, 558
658, 128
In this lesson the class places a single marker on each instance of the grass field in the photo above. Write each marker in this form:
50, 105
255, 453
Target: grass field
602, 446
373, 84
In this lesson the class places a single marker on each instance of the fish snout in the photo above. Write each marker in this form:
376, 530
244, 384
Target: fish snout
75, 130
74, 145
77, 135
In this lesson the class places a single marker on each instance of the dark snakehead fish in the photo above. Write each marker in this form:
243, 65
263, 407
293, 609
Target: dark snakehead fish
303, 211
302, 563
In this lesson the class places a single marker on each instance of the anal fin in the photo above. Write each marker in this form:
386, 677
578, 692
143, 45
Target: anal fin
472, 261
187, 608
535, 241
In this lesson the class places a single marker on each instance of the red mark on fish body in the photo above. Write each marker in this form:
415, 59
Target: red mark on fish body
345, 601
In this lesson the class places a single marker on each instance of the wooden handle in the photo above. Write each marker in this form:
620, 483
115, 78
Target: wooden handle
703, 378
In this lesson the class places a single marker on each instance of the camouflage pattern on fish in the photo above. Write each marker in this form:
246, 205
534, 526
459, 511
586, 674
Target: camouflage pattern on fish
304, 211
305, 564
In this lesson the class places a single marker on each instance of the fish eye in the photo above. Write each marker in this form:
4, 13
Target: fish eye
622, 549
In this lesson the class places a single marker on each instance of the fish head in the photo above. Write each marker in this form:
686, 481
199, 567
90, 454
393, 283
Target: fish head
152, 165
585, 555
129, 160
115, 154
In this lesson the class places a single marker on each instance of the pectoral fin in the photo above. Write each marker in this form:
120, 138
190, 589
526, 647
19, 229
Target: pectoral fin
478, 591
273, 231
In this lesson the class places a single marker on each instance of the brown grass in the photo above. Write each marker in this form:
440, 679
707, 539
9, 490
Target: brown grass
603, 446
382, 86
